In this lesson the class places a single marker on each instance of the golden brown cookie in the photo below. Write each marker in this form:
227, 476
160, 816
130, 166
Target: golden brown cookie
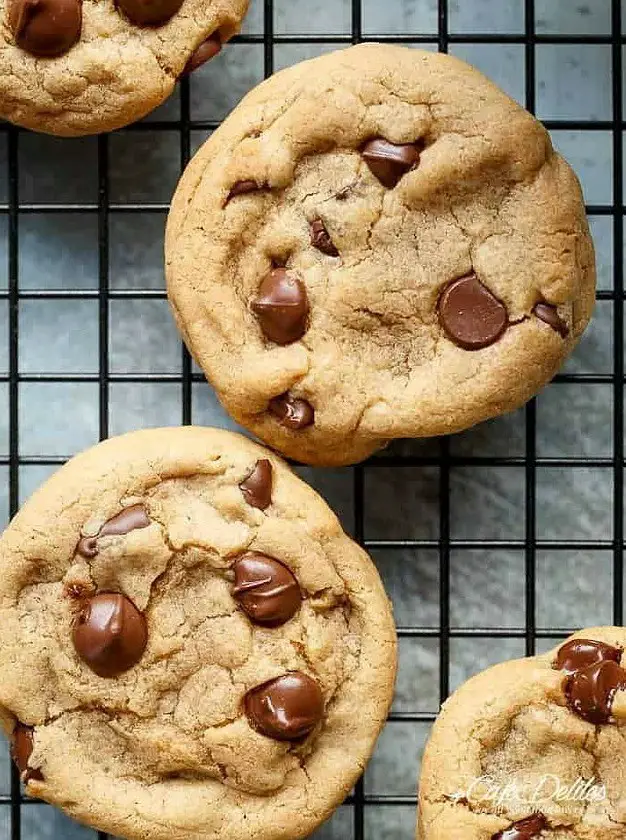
377, 243
533, 748
190, 646
74, 67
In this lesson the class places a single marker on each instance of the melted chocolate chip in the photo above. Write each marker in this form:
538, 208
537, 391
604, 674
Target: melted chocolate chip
320, 239
590, 691
548, 314
594, 675
525, 829
149, 12
470, 315
292, 412
46, 28
266, 589
241, 188
205, 52
110, 634
127, 520
282, 306
21, 751
388, 161
257, 487
287, 708
581, 653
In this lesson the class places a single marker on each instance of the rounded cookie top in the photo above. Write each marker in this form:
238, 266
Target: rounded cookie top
189, 643
74, 67
377, 243
532, 748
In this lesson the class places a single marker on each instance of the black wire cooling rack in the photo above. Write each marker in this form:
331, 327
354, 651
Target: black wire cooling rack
362, 802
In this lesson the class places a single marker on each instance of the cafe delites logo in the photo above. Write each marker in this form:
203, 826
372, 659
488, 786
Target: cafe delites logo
486, 789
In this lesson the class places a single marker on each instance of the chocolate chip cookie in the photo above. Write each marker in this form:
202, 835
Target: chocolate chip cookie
75, 67
377, 243
190, 646
533, 748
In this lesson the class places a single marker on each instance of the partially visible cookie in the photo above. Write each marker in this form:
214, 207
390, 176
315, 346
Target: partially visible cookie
377, 243
74, 67
533, 748
190, 646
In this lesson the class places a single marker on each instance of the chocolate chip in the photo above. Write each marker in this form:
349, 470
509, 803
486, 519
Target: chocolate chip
287, 708
266, 589
292, 412
282, 306
21, 745
205, 52
388, 161
21, 751
46, 28
241, 188
525, 829
590, 691
110, 634
149, 12
548, 314
594, 675
470, 315
320, 239
257, 487
127, 520
581, 653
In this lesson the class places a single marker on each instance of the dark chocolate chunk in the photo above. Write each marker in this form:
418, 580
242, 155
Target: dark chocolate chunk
282, 306
45, 28
266, 589
320, 239
149, 12
127, 520
110, 634
241, 188
257, 486
205, 52
292, 412
548, 314
389, 161
581, 653
470, 315
21, 751
526, 829
590, 691
287, 708
594, 675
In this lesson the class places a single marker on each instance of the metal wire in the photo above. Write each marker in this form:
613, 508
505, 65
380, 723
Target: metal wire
529, 544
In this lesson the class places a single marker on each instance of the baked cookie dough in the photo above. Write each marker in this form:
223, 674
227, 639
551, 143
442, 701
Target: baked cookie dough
533, 748
377, 243
74, 67
190, 646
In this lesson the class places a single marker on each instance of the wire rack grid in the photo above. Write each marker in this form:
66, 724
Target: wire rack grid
434, 607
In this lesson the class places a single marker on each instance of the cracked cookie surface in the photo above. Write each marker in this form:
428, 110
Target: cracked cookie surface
533, 748
111, 64
400, 189
178, 661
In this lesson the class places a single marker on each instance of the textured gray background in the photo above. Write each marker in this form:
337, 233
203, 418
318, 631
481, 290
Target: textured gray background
573, 420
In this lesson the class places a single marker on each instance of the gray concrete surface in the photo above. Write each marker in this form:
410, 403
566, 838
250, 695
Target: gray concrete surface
573, 420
